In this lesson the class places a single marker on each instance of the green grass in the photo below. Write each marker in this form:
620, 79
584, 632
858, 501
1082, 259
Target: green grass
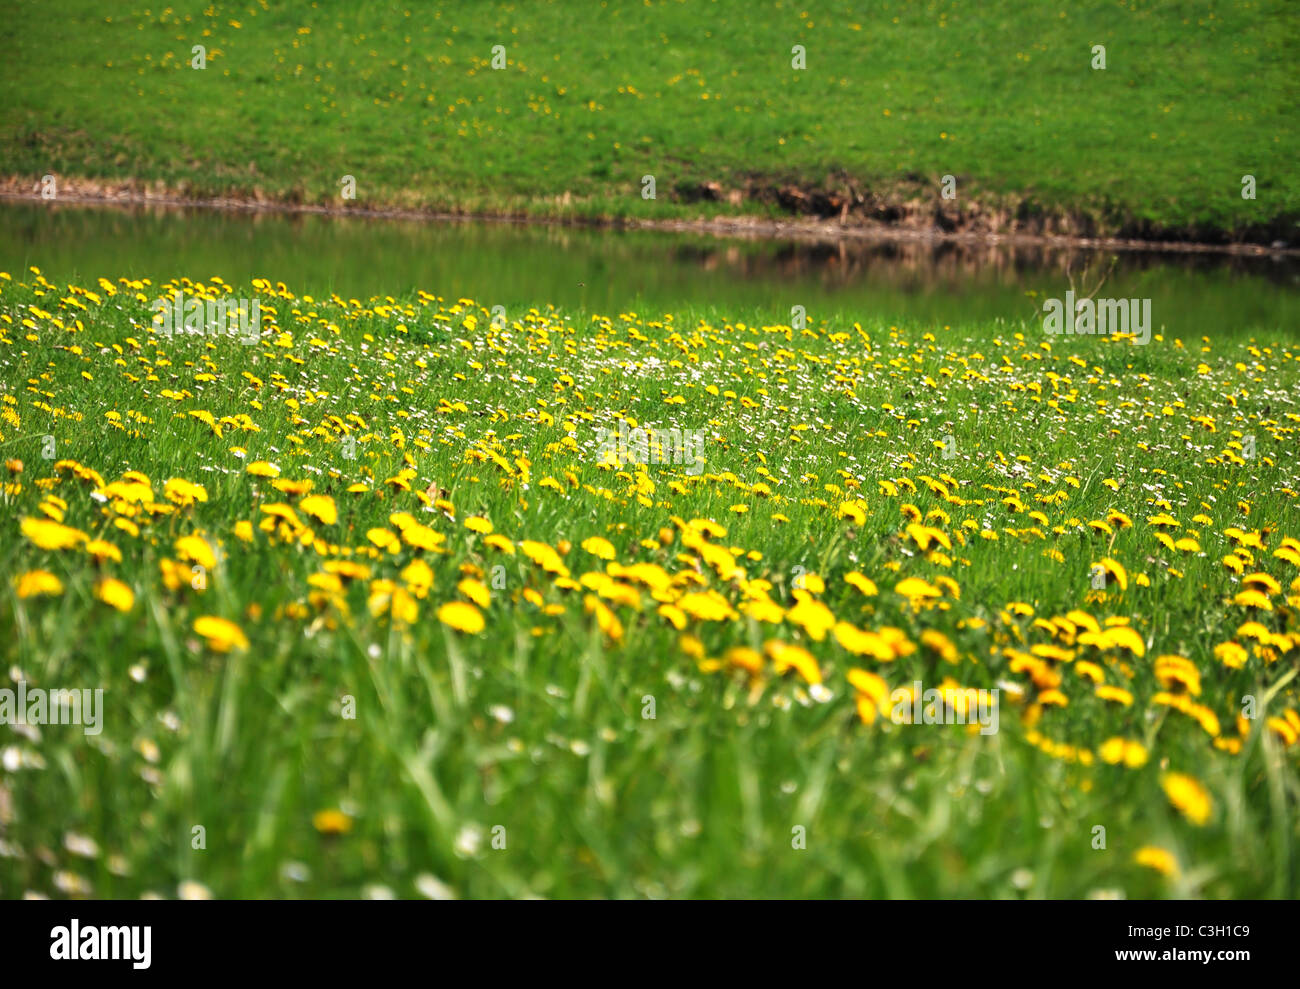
595, 799
1000, 95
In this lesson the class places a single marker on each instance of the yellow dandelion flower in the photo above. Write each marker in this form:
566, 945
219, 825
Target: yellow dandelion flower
1114, 571
320, 507
220, 634
813, 616
1252, 598
462, 617
103, 550
787, 657
51, 535
476, 591
197, 550
742, 657
600, 548
864, 584
1188, 796
184, 492
418, 576
35, 583
115, 594
331, 822
1116, 695
500, 543
1151, 857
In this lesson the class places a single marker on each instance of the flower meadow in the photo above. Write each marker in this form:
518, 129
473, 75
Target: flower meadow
376, 613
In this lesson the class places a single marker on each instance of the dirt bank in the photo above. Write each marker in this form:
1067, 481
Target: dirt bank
825, 215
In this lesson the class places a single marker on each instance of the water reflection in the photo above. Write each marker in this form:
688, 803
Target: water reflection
502, 262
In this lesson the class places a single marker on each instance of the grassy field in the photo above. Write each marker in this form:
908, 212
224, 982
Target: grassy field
372, 608
1002, 96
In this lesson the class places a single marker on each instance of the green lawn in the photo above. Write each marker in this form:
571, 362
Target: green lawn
1028, 460
1002, 96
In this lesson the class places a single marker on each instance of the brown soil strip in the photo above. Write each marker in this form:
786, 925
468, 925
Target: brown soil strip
816, 216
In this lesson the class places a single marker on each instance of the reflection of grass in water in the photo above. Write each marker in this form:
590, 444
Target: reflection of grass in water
535, 724
607, 270
1002, 96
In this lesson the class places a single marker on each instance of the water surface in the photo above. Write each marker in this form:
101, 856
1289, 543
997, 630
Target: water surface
612, 271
